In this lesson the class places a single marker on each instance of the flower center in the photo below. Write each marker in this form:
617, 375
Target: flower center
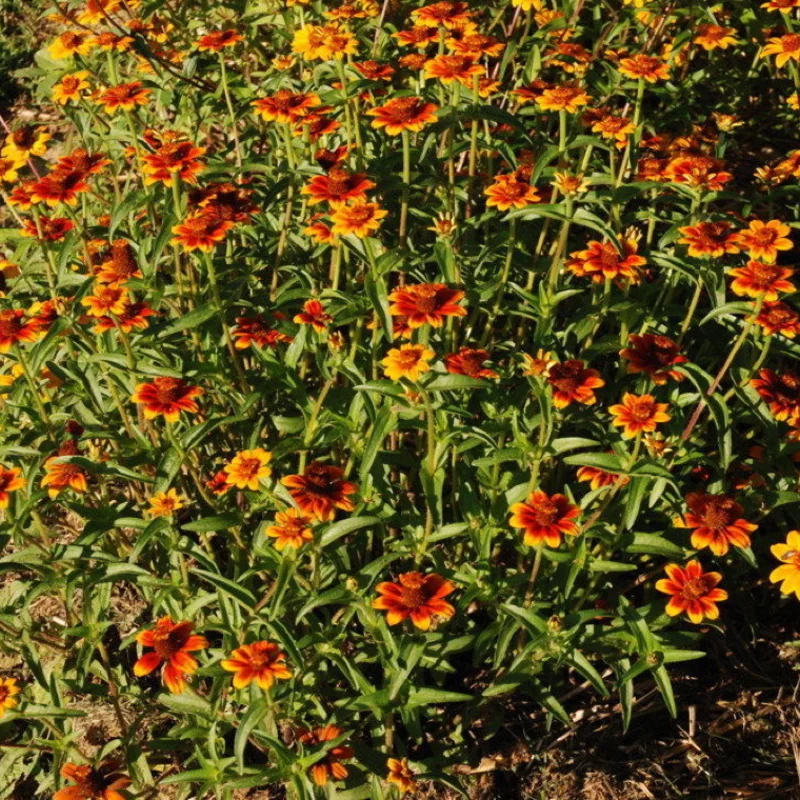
546, 512
696, 588
718, 516
168, 390
642, 410
765, 274
169, 642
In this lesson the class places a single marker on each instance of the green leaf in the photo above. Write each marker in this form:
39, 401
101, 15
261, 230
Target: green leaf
345, 526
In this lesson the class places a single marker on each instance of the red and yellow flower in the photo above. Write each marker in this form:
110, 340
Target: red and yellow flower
292, 528
248, 468
410, 361
104, 782
693, 591
165, 504
262, 662
638, 414
173, 644
417, 597
545, 518
788, 573
320, 490
167, 397
426, 304
8, 693
758, 279
717, 523
330, 767
573, 382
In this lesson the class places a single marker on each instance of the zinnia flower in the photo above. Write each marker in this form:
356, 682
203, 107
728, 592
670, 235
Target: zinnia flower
172, 645
14, 328
338, 186
426, 304
573, 382
648, 68
401, 775
70, 88
786, 48
330, 766
469, 362
11, 480
545, 518
693, 591
717, 522
24, 142
262, 662
125, 96
313, 314
563, 98
8, 691
248, 468
60, 476
358, 217
409, 361
653, 355
449, 68
218, 40
202, 231
638, 413
320, 490
709, 239
603, 261
165, 504
403, 114
511, 191
71, 43
416, 596
713, 37
167, 397
780, 392
103, 782
292, 528
255, 330
286, 106
451, 14
779, 318
788, 573
598, 478
761, 280
763, 240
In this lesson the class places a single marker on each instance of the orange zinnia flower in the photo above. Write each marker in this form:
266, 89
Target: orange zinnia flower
313, 314
780, 392
8, 692
248, 468
374, 70
255, 330
649, 68
14, 328
70, 88
286, 106
218, 40
763, 240
779, 318
449, 68
338, 186
761, 280
573, 382
788, 573
419, 36
451, 14
106, 300
469, 362
11, 480
203, 231
638, 413
784, 47
62, 476
598, 478
71, 42
545, 518
133, 316
511, 191
167, 397
218, 484
717, 522
291, 529
172, 643
126, 96
563, 98
262, 662
603, 261
426, 304
103, 782
711, 37
181, 159
120, 265
60, 187
709, 239
403, 114
409, 361
401, 775
415, 596
693, 591
654, 356
53, 229
165, 504
616, 128
357, 217
330, 766
324, 42
320, 490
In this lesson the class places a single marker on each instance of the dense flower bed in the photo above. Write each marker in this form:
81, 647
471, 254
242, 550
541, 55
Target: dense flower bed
368, 369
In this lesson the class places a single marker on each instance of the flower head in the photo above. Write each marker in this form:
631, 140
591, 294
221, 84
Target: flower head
717, 522
469, 362
70, 88
125, 97
761, 280
785, 48
693, 591
779, 318
426, 304
218, 40
763, 240
172, 643
641, 66
103, 782
415, 596
320, 490
788, 573
401, 775
262, 662
409, 361
709, 239
167, 397
545, 518
330, 767
165, 504
247, 469
637, 414
781, 392
573, 382
511, 191
313, 314
292, 528
655, 356
8, 692
358, 217
11, 480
